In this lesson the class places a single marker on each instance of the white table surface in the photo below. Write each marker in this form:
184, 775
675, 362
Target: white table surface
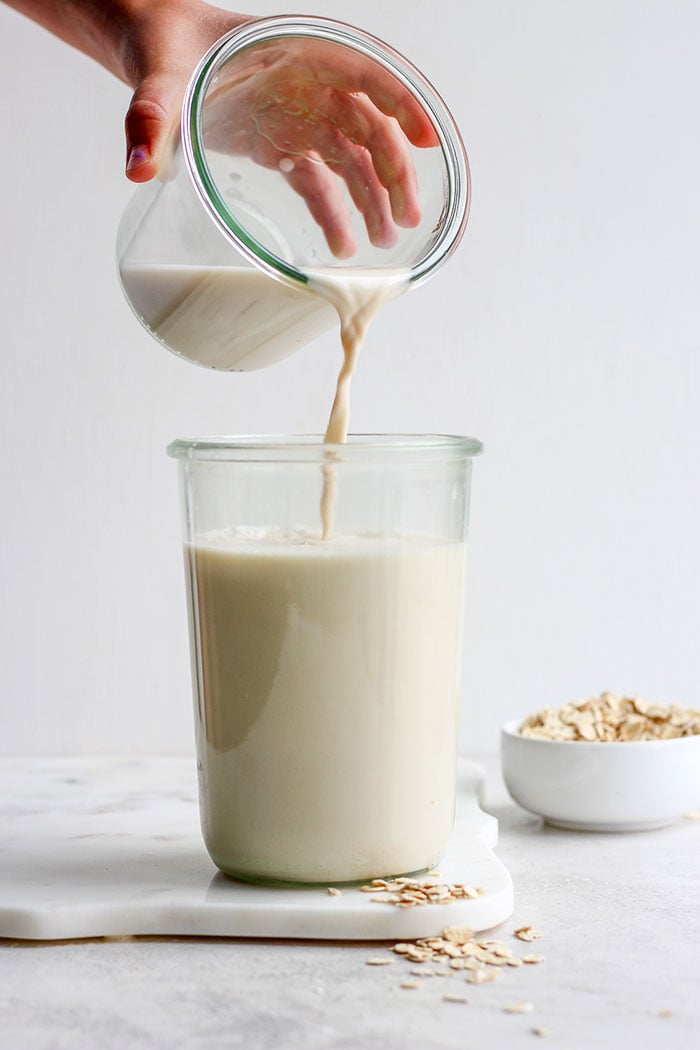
620, 916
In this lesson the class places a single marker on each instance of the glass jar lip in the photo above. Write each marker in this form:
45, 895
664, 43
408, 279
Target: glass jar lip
311, 448
270, 28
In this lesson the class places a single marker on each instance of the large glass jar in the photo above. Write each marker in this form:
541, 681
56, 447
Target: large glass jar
326, 671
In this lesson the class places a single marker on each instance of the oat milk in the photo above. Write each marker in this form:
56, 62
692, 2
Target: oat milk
225, 317
327, 696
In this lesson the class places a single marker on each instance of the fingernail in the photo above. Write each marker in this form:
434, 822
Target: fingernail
137, 157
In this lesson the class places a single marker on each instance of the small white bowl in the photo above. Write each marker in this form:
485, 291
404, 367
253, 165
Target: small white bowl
595, 786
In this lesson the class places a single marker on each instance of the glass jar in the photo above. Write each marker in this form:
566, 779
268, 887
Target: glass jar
326, 672
286, 168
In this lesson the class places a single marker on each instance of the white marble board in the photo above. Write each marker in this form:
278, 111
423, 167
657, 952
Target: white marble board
111, 847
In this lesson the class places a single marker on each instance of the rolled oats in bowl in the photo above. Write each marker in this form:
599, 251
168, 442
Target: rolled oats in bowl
639, 768
609, 717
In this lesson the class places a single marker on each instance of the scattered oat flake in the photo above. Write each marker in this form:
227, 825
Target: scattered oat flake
418, 955
482, 974
540, 1031
693, 815
527, 933
458, 934
451, 950
379, 960
413, 893
519, 1008
458, 950
496, 948
665, 1013
333, 891
450, 997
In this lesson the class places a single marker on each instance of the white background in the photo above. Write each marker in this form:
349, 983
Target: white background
564, 334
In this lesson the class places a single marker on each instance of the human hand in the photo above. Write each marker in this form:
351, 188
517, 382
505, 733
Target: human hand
162, 42
318, 112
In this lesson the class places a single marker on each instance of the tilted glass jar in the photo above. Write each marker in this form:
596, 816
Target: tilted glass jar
287, 165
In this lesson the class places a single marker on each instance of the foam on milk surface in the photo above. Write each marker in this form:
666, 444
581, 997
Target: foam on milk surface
266, 540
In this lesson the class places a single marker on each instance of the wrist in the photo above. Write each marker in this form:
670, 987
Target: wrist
118, 33
158, 35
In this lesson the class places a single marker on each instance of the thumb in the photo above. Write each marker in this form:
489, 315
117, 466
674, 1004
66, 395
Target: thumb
154, 111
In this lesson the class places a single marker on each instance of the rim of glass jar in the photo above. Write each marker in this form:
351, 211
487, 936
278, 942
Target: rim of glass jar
457, 165
311, 448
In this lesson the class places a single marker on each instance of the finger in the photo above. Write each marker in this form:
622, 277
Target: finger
323, 195
365, 125
329, 122
341, 68
393, 100
308, 174
355, 167
150, 119
288, 148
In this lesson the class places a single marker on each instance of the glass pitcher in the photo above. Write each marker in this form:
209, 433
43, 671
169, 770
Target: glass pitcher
306, 148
